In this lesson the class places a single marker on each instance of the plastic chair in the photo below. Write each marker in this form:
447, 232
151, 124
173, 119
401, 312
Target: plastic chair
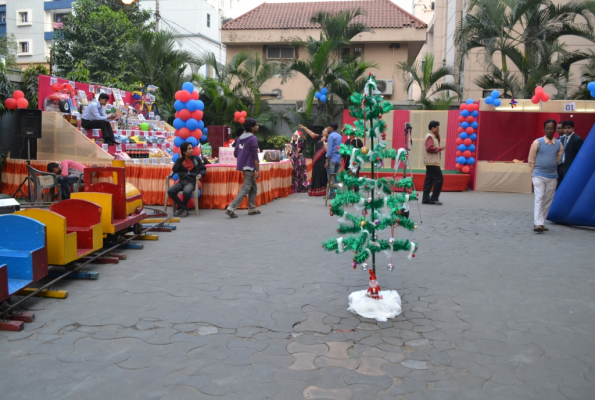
328, 187
42, 180
194, 193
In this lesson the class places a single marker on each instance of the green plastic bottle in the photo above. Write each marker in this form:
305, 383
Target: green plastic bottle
207, 150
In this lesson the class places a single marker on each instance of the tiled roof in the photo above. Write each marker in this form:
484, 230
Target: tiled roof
380, 14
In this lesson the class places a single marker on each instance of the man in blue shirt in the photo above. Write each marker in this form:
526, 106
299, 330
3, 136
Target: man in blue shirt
94, 118
333, 158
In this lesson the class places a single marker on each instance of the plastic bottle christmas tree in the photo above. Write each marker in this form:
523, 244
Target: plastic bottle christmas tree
380, 204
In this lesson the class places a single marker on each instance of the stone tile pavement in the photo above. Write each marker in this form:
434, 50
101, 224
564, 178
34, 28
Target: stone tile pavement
253, 308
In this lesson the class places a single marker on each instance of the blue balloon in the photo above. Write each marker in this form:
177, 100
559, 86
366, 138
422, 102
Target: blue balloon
462, 147
192, 140
473, 137
203, 138
200, 105
474, 124
179, 105
592, 93
323, 98
465, 125
188, 86
192, 124
591, 87
497, 102
205, 131
475, 114
471, 161
471, 148
175, 157
191, 105
175, 177
469, 101
489, 100
462, 160
179, 123
465, 113
198, 193
495, 94
178, 141
462, 135
201, 125
317, 95
324, 90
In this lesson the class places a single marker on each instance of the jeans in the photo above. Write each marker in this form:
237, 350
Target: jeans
544, 189
186, 189
105, 126
333, 168
65, 183
249, 189
433, 178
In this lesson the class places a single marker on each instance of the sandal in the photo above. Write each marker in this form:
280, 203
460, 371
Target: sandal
184, 214
177, 213
231, 214
255, 212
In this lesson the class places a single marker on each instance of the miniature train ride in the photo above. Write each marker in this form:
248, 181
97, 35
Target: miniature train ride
34, 238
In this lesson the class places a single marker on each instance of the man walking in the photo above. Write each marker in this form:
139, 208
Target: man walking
246, 151
333, 157
94, 118
432, 158
572, 144
544, 157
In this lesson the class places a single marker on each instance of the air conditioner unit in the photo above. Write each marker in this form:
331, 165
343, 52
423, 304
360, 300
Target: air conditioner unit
385, 86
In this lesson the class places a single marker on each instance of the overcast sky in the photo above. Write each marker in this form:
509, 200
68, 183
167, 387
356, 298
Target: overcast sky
247, 5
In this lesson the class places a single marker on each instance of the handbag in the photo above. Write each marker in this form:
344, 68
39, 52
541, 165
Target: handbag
272, 155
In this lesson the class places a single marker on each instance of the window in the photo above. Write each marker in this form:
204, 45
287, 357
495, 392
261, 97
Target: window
2, 16
208, 20
24, 17
24, 48
59, 17
433, 6
278, 52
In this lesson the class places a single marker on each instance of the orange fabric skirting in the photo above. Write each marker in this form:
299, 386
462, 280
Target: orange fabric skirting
219, 187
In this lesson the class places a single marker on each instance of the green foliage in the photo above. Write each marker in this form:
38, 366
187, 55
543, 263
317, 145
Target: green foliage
587, 75
423, 75
31, 83
6, 88
97, 34
79, 73
276, 142
527, 34
9, 48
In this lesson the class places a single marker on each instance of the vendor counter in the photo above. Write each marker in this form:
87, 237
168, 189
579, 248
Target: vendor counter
502, 176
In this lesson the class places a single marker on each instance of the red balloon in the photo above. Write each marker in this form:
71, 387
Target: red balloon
458, 141
22, 102
545, 97
465, 169
471, 107
471, 167
196, 151
237, 115
460, 129
197, 115
534, 100
467, 142
177, 114
472, 154
244, 114
177, 96
185, 115
10, 103
470, 119
18, 95
184, 133
190, 203
185, 96
538, 89
242, 120
464, 107
176, 149
461, 118
459, 166
469, 130
458, 153
197, 134
194, 95
466, 154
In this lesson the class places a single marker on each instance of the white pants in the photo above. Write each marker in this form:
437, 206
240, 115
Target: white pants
544, 189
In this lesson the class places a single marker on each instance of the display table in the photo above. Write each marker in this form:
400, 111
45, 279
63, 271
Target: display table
219, 187
503, 177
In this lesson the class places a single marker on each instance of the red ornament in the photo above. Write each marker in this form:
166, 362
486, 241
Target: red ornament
332, 214
413, 255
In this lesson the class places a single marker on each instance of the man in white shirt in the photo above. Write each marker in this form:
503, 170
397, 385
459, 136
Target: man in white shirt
94, 118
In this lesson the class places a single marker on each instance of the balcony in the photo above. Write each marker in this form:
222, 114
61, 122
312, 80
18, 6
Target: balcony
48, 35
57, 25
58, 4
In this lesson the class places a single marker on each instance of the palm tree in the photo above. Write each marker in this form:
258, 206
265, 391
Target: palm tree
325, 65
526, 33
30, 85
587, 75
422, 74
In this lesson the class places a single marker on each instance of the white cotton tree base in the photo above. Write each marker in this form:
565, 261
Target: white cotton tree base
380, 310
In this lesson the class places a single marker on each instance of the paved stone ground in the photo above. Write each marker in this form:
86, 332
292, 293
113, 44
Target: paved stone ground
253, 308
